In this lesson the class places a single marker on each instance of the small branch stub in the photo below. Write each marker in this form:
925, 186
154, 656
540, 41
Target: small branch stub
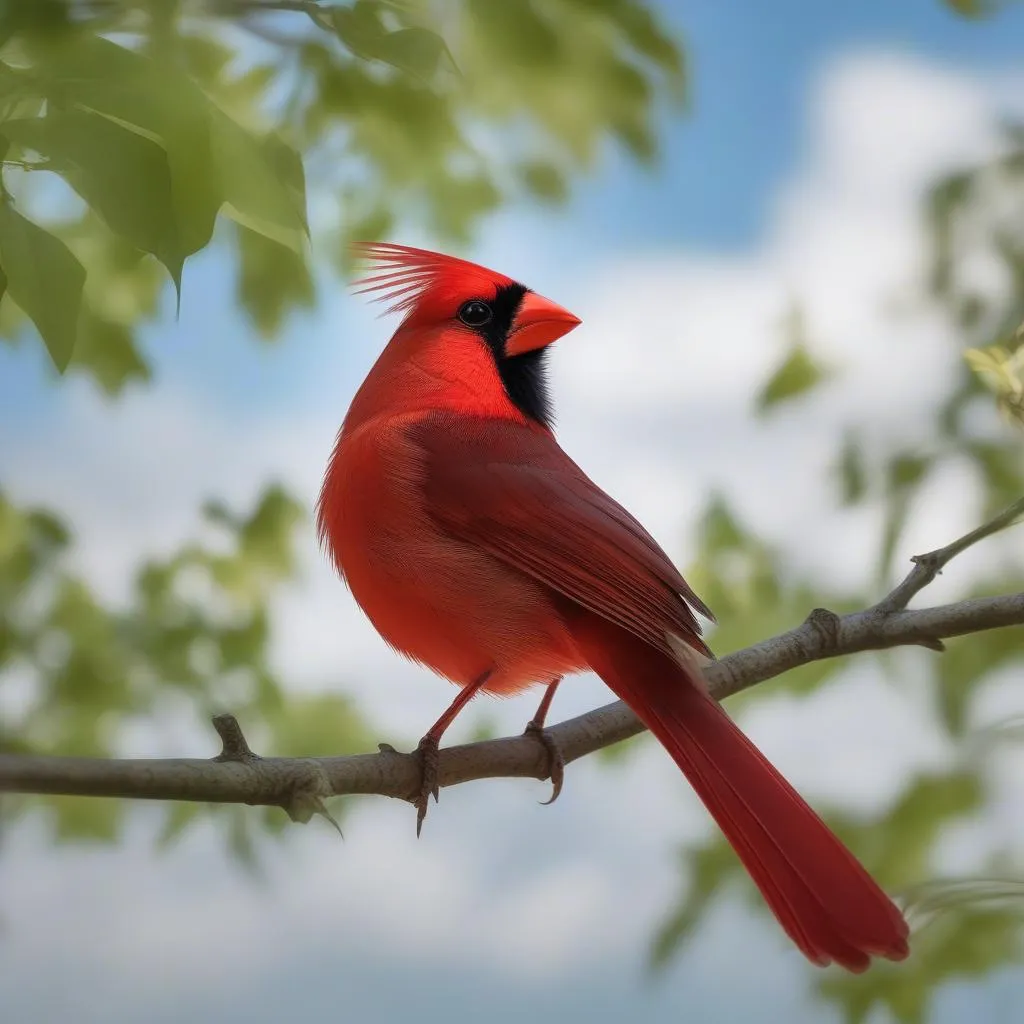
235, 746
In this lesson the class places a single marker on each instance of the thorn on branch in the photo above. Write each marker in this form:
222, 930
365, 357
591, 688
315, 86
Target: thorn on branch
235, 747
307, 800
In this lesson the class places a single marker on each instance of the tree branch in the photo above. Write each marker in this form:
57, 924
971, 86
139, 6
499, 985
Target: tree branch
928, 566
299, 785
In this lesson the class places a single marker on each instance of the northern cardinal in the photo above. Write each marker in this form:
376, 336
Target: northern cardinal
478, 548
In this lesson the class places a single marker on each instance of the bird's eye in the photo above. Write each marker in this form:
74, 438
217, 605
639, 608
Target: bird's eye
475, 313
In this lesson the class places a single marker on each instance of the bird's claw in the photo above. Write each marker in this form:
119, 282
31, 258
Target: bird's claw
430, 785
556, 762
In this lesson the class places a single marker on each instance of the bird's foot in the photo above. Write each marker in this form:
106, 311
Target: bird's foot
556, 762
429, 758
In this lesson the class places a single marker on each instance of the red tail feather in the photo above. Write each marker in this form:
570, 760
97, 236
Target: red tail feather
824, 899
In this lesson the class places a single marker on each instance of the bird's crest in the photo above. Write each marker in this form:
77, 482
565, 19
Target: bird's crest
407, 277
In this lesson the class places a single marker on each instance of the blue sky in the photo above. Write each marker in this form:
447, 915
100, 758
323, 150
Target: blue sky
753, 64
504, 907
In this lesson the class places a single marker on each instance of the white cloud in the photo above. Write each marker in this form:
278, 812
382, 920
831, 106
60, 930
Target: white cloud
654, 395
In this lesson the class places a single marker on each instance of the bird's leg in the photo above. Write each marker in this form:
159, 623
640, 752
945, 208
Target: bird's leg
535, 727
428, 752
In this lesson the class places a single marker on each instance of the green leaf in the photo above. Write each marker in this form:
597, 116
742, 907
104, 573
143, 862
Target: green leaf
45, 279
266, 538
851, 471
79, 818
415, 50
263, 183
971, 8
969, 660
897, 848
906, 471
719, 530
797, 374
158, 100
359, 27
319, 725
1002, 469
545, 181
272, 280
965, 945
179, 818
108, 350
707, 869
123, 175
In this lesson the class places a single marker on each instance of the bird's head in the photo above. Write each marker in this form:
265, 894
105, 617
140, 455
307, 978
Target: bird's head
434, 290
478, 329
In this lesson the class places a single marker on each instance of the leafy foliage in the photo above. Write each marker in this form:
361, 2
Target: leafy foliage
193, 639
180, 121
1000, 369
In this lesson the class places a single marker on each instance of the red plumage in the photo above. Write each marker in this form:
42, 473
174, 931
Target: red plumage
477, 547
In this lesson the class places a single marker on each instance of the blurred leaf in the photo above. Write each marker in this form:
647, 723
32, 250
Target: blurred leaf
754, 596
180, 817
45, 279
964, 945
77, 820
797, 374
109, 351
972, 8
708, 869
416, 50
1001, 466
123, 175
1002, 371
484, 728
896, 847
905, 472
545, 181
260, 183
851, 471
968, 661
319, 725
944, 204
620, 752
240, 837
266, 538
272, 280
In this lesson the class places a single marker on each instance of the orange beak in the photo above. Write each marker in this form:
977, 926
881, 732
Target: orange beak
538, 323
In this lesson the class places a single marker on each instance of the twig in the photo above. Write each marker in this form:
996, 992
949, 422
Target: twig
235, 746
928, 566
298, 784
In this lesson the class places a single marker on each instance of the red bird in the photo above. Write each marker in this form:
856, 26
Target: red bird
477, 547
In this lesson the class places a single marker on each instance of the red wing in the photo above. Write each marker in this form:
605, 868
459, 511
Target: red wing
512, 491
